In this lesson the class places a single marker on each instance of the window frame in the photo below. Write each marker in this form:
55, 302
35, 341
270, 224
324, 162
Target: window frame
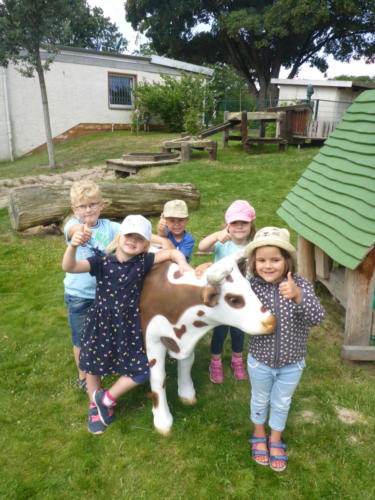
121, 75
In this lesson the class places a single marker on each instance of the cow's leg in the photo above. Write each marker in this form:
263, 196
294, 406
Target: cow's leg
186, 391
162, 416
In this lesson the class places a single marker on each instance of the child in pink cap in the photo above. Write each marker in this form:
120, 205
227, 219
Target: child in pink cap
238, 232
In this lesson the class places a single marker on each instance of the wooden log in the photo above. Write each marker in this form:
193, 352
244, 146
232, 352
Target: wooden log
37, 205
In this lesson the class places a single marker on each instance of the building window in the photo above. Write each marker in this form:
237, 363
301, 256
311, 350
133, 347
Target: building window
120, 90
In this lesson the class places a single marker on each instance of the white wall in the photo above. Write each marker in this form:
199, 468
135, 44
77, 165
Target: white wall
77, 89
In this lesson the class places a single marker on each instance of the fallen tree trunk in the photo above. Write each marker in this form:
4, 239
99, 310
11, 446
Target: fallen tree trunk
37, 205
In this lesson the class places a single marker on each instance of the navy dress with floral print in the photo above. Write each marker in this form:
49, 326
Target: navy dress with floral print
111, 336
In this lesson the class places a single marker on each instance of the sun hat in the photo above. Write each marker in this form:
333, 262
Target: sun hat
240, 210
271, 236
176, 208
136, 224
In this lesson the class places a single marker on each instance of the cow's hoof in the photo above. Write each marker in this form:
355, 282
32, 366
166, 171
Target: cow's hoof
189, 401
164, 432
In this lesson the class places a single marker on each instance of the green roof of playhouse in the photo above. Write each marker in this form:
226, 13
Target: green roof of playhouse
333, 203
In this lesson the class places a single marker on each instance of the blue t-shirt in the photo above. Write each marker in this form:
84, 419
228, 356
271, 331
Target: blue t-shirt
185, 246
222, 250
83, 284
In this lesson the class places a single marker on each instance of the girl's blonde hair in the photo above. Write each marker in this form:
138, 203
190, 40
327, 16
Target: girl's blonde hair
85, 189
112, 247
289, 262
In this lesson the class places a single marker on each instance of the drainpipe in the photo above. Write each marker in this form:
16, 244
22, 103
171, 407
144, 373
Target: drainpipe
9, 128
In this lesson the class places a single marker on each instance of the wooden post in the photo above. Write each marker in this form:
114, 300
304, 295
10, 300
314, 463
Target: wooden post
213, 151
244, 131
225, 131
185, 151
306, 262
323, 264
359, 288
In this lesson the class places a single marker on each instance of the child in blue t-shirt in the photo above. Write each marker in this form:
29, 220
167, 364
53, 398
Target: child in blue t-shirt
79, 295
172, 225
238, 232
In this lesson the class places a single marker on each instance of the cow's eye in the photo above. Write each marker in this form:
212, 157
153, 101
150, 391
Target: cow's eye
235, 301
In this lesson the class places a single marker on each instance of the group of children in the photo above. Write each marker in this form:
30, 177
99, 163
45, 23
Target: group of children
106, 263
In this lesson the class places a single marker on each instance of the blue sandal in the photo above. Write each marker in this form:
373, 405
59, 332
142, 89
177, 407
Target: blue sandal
258, 453
278, 458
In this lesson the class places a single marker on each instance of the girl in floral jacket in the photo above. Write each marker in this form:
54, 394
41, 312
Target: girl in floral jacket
276, 361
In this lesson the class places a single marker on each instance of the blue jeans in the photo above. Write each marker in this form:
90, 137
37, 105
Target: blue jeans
77, 311
219, 336
274, 388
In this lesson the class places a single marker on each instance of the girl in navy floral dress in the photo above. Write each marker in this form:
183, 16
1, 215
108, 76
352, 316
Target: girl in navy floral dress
112, 338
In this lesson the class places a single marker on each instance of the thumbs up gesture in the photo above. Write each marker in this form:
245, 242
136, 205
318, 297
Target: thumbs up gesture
289, 289
87, 231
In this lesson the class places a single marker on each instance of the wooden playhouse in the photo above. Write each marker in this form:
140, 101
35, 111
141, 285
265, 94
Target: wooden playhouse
332, 208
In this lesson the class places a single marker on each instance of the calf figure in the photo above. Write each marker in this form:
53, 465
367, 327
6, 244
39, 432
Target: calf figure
176, 311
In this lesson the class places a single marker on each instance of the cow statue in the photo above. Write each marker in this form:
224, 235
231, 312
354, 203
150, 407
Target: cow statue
176, 311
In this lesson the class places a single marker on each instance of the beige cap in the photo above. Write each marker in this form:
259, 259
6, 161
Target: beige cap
176, 208
271, 236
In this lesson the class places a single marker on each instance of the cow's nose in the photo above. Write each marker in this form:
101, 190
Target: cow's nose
269, 324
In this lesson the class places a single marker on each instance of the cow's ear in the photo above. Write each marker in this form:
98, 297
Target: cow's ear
211, 295
242, 266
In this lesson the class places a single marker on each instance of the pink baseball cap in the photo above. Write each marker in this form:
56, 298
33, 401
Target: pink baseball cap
240, 210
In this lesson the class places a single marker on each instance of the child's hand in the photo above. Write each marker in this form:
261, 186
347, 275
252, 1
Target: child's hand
162, 221
184, 266
289, 290
223, 236
78, 238
199, 271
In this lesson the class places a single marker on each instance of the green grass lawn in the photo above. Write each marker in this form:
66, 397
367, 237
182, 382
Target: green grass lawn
46, 450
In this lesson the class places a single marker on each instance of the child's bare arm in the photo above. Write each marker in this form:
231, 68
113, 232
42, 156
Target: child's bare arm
174, 255
165, 243
208, 243
69, 263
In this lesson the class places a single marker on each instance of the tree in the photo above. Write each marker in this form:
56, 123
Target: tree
258, 37
89, 28
27, 26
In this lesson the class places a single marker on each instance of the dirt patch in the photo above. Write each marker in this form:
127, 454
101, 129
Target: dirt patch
350, 416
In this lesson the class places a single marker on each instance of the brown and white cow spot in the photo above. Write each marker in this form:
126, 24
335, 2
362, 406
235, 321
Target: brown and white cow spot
179, 331
170, 344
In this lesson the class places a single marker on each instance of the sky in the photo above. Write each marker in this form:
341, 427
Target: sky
115, 10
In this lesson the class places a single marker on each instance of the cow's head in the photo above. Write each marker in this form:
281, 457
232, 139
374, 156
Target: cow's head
229, 294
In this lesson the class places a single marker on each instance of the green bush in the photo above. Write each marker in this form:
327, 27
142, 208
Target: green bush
179, 101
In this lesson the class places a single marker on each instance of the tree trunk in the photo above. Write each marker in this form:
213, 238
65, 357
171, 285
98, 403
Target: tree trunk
47, 122
37, 205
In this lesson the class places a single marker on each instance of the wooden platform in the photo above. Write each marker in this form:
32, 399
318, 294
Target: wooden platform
267, 140
125, 167
187, 144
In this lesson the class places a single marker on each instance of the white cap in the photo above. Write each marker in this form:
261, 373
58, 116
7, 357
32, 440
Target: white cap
136, 224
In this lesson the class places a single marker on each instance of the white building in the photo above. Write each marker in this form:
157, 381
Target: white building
331, 98
88, 91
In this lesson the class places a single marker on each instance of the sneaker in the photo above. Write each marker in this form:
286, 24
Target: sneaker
105, 412
95, 425
216, 371
82, 384
238, 368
